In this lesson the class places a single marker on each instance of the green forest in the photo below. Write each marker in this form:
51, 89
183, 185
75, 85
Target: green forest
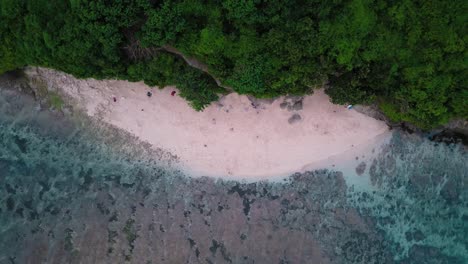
407, 56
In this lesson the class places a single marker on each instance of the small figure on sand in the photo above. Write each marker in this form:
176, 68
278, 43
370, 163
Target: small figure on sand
173, 93
149, 94
115, 99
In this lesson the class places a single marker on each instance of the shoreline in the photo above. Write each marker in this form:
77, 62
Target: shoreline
233, 139
94, 173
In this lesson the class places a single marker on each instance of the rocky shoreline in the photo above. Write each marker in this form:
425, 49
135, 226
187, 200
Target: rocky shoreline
69, 199
456, 131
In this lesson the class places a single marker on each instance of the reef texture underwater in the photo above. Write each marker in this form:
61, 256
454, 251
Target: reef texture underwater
75, 191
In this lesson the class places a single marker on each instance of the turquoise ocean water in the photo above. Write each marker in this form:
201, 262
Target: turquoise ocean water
74, 191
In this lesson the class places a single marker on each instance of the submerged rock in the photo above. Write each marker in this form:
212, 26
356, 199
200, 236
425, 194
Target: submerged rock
361, 168
96, 195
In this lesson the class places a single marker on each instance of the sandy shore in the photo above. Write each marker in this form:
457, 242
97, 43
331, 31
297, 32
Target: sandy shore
231, 138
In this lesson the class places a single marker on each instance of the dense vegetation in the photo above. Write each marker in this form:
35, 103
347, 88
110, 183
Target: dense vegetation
409, 56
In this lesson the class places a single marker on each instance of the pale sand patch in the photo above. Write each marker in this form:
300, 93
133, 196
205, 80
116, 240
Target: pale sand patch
234, 140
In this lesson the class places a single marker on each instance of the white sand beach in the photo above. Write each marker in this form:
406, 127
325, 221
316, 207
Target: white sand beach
231, 138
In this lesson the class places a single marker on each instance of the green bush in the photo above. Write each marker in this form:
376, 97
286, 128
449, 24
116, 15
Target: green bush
166, 69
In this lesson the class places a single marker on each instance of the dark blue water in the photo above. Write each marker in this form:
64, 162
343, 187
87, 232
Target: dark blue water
75, 191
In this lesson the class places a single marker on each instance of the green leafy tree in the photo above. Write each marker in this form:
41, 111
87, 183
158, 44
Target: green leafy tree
407, 56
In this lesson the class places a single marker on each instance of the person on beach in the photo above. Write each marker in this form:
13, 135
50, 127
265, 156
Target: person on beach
173, 93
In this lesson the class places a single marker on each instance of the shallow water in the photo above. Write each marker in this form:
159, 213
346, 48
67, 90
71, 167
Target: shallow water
73, 191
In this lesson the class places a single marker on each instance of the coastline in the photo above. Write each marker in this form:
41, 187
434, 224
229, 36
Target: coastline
234, 138
82, 179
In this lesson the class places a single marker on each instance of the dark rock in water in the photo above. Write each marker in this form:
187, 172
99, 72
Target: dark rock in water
416, 236
455, 131
450, 137
374, 175
361, 249
389, 163
10, 203
459, 126
430, 255
16, 80
86, 198
450, 191
21, 143
10, 189
294, 119
361, 168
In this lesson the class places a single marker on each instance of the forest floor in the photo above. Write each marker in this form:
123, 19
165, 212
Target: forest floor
237, 137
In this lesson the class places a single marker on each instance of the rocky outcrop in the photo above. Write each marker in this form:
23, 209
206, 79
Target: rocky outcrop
295, 118
193, 62
453, 132
292, 103
372, 111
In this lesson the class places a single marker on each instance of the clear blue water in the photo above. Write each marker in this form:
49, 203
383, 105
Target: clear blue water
74, 191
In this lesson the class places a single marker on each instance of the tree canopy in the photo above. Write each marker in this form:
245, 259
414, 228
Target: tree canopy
408, 56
